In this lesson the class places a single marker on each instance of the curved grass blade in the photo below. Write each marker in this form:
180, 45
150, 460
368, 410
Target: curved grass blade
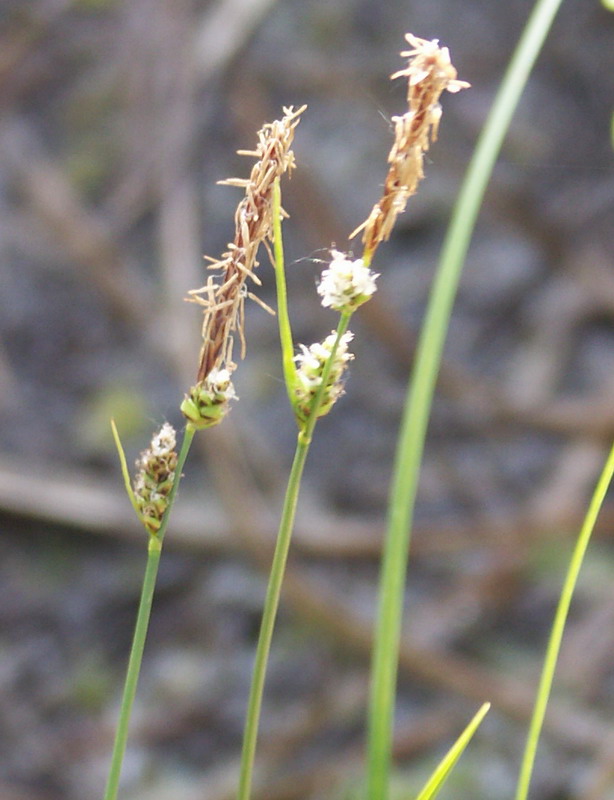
558, 627
124, 467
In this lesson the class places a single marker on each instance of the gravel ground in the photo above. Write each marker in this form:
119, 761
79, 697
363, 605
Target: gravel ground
117, 120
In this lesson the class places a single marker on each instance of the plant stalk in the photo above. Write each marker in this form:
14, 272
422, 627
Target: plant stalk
154, 552
269, 614
286, 525
283, 318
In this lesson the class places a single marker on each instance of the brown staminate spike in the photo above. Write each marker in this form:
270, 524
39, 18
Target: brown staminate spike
429, 73
223, 301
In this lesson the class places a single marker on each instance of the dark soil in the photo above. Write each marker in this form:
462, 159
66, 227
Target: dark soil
117, 119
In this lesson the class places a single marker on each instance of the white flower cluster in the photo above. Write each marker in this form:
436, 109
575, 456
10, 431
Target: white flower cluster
346, 283
219, 385
155, 477
311, 361
163, 442
207, 403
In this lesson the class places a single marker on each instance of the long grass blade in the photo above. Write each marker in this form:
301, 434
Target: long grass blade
558, 627
417, 409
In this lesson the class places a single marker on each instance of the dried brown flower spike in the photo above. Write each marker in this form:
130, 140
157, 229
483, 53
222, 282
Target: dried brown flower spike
429, 71
223, 302
223, 296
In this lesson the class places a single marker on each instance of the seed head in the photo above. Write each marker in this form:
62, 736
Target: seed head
154, 478
346, 284
311, 361
429, 72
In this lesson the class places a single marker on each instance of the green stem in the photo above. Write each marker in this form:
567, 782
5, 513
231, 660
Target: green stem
154, 551
125, 471
282, 545
134, 666
269, 614
271, 603
558, 627
283, 318
417, 408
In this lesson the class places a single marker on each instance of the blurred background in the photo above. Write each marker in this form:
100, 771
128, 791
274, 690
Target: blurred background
117, 119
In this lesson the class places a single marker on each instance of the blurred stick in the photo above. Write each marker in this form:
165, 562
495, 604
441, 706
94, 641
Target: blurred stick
72, 499
85, 237
223, 31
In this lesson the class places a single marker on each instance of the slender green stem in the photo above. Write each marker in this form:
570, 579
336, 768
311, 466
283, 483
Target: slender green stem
285, 330
417, 409
558, 626
140, 631
134, 666
286, 525
269, 614
283, 318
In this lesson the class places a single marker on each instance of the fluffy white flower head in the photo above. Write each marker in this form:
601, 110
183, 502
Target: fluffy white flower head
346, 283
311, 361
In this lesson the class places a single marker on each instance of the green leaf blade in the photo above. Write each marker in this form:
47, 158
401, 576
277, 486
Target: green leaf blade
435, 783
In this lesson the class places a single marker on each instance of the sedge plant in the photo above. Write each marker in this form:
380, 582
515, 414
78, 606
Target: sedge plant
411, 444
314, 379
313, 376
159, 468
314, 382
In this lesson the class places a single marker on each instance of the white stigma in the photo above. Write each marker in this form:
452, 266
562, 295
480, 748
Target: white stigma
346, 283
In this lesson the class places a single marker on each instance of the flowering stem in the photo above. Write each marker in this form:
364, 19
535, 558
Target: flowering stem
269, 613
154, 551
280, 556
134, 666
285, 331
416, 413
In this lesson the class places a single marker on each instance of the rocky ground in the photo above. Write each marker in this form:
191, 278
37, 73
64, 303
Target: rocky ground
117, 120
